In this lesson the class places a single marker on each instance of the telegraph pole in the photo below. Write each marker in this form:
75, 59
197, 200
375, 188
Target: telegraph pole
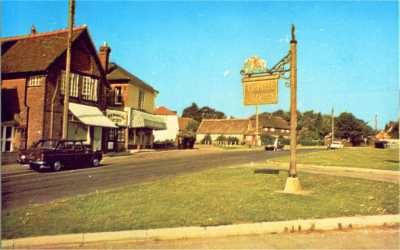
333, 126
376, 122
71, 13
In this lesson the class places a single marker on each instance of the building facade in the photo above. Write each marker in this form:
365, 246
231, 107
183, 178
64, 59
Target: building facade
172, 125
33, 79
132, 102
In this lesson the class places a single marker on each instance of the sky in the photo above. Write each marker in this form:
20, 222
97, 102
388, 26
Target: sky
193, 51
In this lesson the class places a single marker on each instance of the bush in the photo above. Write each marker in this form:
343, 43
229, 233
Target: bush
267, 139
186, 139
221, 139
284, 141
206, 140
232, 140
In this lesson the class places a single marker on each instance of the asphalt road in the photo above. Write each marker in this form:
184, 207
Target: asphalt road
22, 186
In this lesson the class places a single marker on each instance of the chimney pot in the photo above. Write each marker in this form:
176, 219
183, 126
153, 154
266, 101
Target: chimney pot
104, 56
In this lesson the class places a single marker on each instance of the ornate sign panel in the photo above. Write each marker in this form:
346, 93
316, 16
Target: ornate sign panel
117, 116
254, 65
261, 89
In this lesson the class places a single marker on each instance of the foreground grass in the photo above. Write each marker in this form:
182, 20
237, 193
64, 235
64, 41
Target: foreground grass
359, 157
212, 197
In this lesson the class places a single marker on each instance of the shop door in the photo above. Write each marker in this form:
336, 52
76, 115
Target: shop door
7, 133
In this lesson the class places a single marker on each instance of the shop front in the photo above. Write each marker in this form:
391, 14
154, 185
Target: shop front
87, 123
141, 126
117, 140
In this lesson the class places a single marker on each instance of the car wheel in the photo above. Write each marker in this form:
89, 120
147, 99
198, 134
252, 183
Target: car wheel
57, 166
95, 162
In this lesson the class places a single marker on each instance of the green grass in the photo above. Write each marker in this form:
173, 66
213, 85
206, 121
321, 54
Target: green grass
212, 197
360, 157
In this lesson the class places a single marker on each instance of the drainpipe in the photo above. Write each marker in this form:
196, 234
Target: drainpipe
52, 109
27, 114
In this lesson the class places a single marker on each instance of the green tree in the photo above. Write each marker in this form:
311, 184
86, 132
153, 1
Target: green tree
349, 127
205, 112
192, 126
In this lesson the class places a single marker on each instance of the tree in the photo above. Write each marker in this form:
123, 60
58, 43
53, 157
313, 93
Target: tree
392, 129
192, 126
351, 128
205, 112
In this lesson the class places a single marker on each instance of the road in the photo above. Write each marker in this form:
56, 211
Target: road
22, 187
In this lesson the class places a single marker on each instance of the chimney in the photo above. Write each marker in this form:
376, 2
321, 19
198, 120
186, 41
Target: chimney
33, 30
104, 55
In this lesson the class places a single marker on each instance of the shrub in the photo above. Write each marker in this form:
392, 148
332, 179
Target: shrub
221, 139
267, 139
206, 140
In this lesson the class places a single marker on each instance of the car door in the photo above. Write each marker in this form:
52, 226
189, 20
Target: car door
82, 156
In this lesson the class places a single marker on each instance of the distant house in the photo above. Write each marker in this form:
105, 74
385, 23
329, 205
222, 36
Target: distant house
172, 126
242, 129
184, 122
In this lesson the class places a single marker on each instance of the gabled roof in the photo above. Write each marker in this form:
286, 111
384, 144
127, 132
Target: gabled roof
34, 52
223, 126
268, 121
164, 111
184, 121
117, 73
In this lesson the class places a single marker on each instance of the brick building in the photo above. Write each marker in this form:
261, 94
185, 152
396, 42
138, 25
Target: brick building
131, 104
32, 89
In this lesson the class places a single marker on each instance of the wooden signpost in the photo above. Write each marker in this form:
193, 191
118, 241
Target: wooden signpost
260, 86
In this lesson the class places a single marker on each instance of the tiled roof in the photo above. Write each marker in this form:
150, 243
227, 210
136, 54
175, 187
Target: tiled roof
223, 126
34, 52
267, 121
164, 111
183, 122
117, 73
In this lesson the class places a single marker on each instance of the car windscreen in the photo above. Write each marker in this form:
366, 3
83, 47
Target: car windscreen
45, 145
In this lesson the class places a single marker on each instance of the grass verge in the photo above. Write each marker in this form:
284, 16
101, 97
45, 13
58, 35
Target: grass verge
212, 197
359, 157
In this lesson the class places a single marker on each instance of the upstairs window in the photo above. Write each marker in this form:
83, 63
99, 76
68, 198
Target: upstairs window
35, 81
89, 88
118, 95
73, 84
141, 99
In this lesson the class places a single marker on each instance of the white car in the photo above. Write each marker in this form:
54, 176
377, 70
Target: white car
335, 145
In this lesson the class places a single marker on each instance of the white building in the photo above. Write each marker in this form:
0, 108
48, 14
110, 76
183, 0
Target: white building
171, 120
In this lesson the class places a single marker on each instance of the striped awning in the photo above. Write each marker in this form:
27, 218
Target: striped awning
145, 120
90, 115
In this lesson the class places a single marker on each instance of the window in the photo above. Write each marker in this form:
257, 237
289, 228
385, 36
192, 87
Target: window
121, 135
35, 81
73, 86
118, 95
141, 99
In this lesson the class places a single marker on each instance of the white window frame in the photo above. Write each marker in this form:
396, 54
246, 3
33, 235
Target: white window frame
36, 81
118, 92
4, 139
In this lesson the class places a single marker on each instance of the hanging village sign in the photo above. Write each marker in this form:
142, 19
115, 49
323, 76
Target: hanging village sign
260, 86
261, 89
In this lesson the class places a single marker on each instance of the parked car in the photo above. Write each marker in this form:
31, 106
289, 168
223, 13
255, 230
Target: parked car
381, 144
335, 145
59, 154
271, 147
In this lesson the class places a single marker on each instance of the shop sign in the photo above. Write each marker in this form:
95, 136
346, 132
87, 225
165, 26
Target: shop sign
117, 116
261, 89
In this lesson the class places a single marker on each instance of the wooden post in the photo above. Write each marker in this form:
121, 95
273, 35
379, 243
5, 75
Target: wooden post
333, 126
293, 104
71, 13
257, 135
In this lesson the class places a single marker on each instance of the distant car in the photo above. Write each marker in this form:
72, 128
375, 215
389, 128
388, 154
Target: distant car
59, 154
335, 145
270, 147
381, 144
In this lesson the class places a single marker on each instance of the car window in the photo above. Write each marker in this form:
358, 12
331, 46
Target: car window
45, 144
78, 146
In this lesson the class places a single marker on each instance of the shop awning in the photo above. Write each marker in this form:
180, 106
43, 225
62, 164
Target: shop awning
144, 120
90, 115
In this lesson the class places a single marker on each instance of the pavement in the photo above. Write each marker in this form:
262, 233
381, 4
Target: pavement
361, 173
263, 228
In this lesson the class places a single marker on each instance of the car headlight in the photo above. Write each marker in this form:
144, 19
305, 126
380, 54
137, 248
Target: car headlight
23, 157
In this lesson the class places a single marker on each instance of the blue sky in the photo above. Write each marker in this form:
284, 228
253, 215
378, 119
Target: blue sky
348, 55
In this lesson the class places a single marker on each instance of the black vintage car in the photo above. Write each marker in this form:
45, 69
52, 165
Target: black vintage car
59, 154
